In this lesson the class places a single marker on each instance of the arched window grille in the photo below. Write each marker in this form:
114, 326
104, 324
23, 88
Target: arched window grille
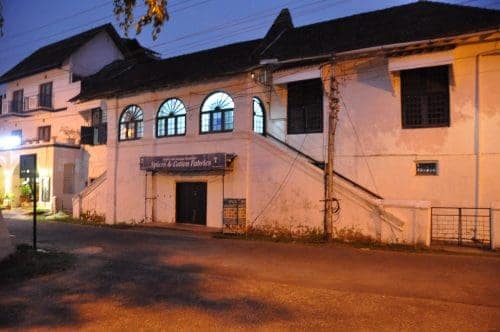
171, 119
217, 113
258, 116
131, 123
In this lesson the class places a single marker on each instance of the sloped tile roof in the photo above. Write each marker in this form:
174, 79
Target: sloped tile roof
54, 55
122, 77
412, 22
417, 21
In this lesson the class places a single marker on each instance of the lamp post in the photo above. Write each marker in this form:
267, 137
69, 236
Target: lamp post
28, 169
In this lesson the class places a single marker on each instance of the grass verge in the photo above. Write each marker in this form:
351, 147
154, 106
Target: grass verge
27, 263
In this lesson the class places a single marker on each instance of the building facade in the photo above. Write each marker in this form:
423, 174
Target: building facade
38, 118
238, 137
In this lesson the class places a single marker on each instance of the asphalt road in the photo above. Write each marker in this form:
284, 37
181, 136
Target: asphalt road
151, 279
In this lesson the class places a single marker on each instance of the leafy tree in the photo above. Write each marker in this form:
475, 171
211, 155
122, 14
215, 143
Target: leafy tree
156, 15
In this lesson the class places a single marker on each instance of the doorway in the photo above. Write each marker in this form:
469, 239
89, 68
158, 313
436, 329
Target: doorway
191, 202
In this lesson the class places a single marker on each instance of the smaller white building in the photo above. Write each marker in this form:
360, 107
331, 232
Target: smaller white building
37, 117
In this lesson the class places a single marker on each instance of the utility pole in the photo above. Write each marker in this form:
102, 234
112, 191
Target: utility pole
334, 108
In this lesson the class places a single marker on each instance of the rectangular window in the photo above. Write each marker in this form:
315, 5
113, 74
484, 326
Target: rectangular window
216, 121
171, 126
205, 122
426, 168
305, 107
96, 116
425, 97
68, 178
44, 133
161, 127
17, 101
181, 125
228, 120
45, 95
18, 133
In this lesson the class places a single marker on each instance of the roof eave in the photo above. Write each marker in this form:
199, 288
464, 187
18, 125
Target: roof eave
11, 78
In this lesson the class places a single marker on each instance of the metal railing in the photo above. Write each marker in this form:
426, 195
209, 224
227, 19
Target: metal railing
30, 103
461, 226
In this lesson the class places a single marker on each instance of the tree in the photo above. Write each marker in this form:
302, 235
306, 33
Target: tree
156, 14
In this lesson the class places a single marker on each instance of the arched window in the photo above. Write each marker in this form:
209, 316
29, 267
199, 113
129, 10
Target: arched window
171, 119
131, 123
217, 113
258, 116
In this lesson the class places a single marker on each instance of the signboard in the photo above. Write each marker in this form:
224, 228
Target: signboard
27, 165
186, 163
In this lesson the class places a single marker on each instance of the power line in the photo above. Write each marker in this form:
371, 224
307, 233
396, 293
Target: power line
92, 23
223, 26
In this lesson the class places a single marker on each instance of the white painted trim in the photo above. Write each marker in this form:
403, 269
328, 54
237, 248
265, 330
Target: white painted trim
420, 60
296, 76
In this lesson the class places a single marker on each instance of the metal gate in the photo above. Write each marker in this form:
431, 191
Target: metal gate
461, 226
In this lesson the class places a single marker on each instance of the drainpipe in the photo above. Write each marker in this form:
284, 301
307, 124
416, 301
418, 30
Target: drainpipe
115, 161
145, 196
477, 124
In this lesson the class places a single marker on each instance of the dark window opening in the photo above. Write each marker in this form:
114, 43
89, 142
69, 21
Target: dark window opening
17, 101
97, 133
44, 133
45, 95
96, 117
305, 107
425, 97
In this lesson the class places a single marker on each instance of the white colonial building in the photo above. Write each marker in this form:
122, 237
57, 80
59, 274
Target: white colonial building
236, 137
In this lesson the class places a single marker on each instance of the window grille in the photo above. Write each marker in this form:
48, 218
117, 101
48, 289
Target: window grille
426, 168
425, 97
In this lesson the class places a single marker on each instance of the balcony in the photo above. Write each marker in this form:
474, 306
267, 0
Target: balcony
29, 104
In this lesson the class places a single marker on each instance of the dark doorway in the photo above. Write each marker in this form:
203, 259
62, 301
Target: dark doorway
191, 202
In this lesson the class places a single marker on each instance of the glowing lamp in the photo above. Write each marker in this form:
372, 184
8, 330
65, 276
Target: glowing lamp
9, 142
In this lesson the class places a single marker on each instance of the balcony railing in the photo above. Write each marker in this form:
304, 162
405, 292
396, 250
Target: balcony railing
29, 104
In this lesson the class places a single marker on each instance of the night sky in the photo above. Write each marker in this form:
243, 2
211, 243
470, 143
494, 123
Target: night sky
194, 24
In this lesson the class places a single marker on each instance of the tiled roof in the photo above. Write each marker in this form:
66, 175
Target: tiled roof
417, 21
122, 77
412, 22
53, 55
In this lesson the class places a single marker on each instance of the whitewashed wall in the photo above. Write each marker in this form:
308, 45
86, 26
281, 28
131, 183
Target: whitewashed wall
374, 150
